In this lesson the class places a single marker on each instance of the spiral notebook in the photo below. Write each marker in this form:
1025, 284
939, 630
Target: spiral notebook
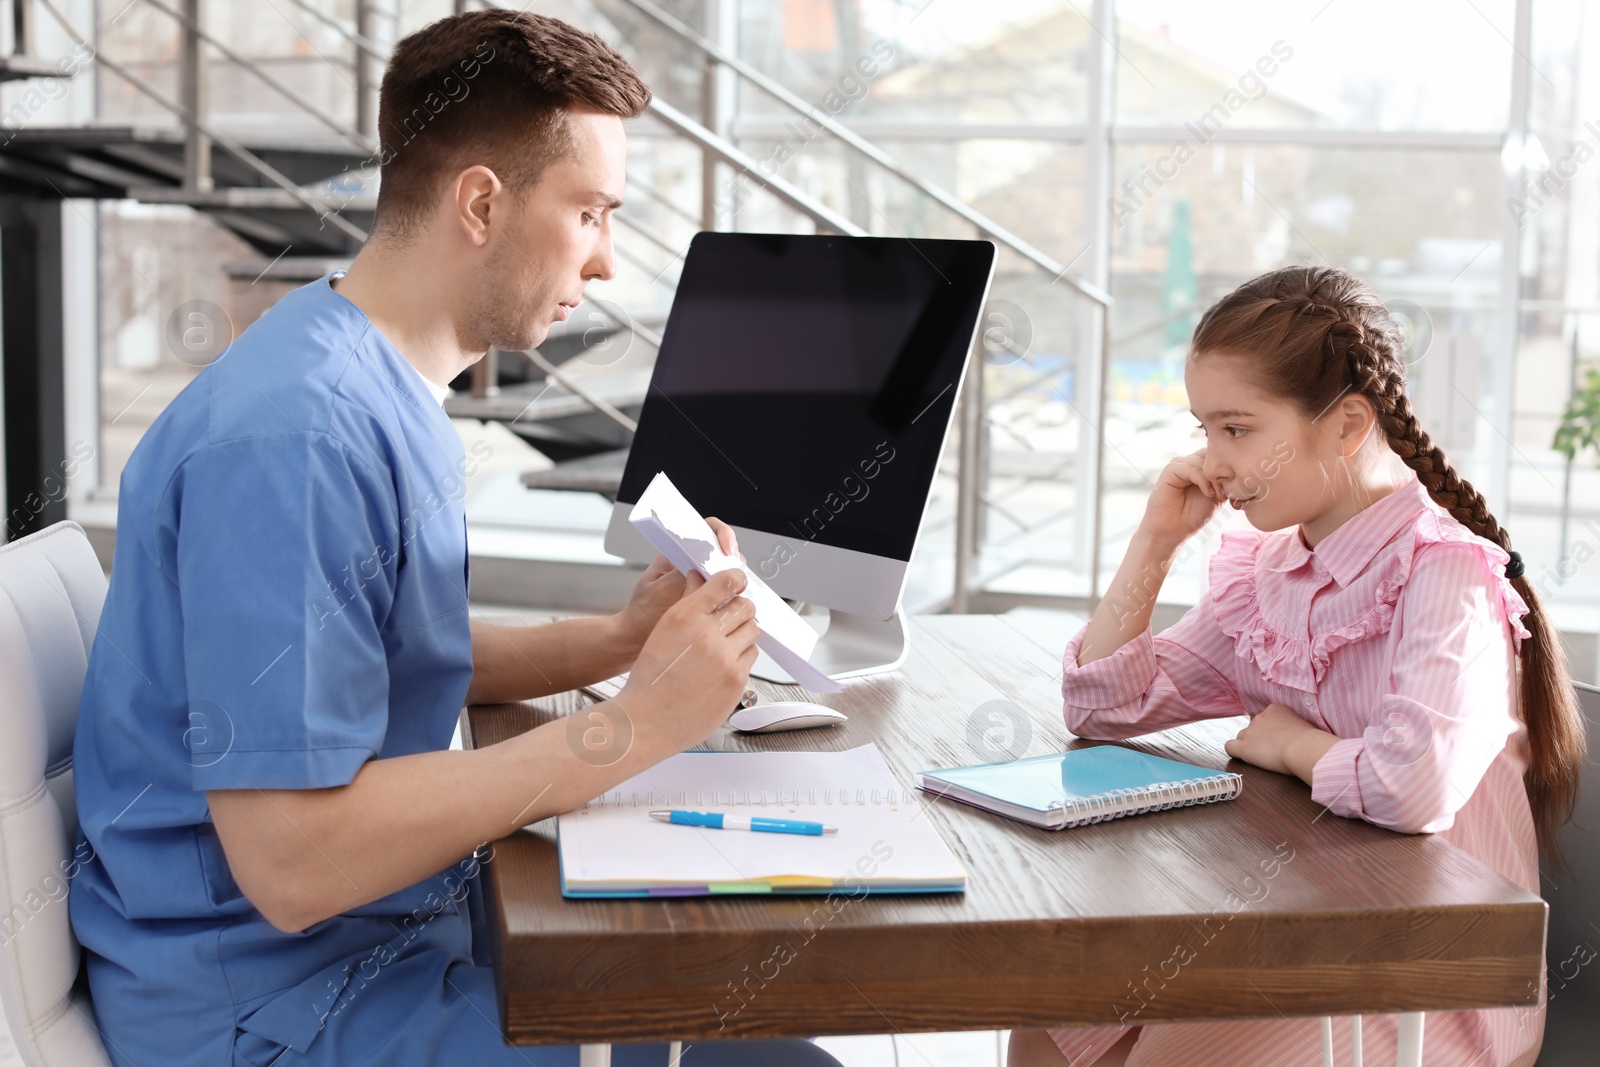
611, 847
1085, 785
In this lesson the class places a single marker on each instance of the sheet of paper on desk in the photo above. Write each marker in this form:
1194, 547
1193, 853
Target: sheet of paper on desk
677, 530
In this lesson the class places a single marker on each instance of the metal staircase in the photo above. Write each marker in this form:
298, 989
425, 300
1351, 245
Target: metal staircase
23, 63
305, 205
146, 164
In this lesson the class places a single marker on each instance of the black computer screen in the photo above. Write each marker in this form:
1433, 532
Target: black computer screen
805, 383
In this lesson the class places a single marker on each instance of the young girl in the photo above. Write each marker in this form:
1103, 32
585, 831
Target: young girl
1372, 626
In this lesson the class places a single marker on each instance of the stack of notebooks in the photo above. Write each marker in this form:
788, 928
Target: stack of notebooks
611, 847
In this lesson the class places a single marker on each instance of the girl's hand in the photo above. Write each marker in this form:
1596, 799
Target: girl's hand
1181, 503
1276, 739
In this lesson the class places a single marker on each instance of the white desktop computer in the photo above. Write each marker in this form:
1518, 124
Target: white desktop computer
803, 393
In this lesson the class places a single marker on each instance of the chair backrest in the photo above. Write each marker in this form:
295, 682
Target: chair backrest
1572, 947
51, 590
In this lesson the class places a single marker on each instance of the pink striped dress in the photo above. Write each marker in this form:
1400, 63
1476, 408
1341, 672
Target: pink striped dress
1397, 634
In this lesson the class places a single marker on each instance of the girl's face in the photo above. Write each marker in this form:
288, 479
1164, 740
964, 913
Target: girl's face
1270, 460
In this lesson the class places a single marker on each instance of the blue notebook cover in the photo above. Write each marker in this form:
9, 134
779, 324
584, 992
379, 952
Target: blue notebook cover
1084, 785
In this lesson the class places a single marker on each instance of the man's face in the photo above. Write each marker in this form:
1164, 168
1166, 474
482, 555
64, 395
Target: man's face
555, 238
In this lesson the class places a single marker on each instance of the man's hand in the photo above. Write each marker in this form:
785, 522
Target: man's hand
694, 666
511, 662
660, 588
1277, 739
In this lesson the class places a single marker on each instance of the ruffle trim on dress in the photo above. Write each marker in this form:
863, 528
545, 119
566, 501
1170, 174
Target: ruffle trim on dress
1301, 663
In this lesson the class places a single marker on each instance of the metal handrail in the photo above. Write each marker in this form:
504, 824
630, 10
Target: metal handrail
647, 233
725, 150
871, 151
818, 212
652, 193
249, 158
554, 373
643, 333
363, 43
711, 144
639, 261
358, 139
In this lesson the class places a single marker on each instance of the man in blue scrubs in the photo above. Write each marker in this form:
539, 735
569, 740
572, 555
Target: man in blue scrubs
285, 868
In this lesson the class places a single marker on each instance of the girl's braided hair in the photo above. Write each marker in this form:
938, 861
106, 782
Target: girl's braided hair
1313, 334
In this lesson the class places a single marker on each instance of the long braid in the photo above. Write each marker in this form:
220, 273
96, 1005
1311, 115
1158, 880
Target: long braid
1382, 381
1555, 724
1318, 333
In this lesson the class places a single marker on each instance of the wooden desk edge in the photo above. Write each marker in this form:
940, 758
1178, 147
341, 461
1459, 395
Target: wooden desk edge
555, 1014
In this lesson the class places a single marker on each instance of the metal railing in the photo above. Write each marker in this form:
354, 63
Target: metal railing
199, 127
867, 150
801, 201
721, 148
359, 39
713, 146
345, 130
969, 498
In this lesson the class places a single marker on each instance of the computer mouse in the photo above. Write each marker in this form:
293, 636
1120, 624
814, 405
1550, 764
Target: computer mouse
784, 715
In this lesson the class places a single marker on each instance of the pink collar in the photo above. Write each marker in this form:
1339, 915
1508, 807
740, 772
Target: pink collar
1347, 551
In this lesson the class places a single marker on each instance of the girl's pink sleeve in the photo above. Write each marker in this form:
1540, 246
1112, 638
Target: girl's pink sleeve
1449, 708
1151, 683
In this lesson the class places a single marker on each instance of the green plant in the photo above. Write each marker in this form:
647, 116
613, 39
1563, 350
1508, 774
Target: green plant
1579, 430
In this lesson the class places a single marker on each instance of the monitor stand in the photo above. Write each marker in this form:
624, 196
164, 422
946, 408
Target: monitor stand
852, 646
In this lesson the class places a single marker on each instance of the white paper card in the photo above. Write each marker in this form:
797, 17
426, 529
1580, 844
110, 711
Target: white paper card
671, 524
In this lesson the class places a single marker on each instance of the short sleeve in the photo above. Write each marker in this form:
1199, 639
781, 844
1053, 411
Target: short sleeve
285, 561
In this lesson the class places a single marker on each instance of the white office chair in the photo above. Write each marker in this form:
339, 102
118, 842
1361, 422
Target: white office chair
51, 589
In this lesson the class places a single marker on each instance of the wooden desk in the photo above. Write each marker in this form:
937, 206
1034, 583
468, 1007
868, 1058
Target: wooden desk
1079, 926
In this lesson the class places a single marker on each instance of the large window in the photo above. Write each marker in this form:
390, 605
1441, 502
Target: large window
1442, 150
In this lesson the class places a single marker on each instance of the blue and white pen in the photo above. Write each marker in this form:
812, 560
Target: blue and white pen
715, 820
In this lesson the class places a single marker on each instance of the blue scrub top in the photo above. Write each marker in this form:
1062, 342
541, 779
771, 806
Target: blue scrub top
288, 600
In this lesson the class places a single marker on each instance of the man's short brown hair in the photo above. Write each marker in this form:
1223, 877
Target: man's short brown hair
490, 87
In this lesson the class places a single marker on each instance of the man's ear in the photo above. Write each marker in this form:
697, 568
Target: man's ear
479, 193
1357, 419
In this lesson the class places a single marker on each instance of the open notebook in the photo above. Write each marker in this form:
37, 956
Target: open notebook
1085, 785
611, 847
